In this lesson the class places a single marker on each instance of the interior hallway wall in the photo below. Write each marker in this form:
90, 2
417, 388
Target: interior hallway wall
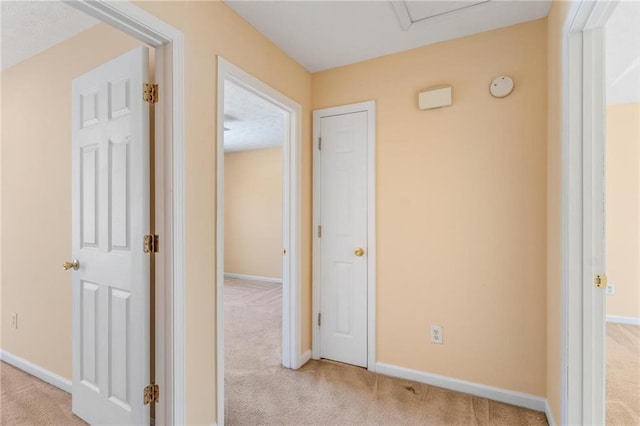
623, 208
461, 205
253, 212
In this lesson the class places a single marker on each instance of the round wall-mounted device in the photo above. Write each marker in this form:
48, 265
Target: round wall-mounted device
502, 86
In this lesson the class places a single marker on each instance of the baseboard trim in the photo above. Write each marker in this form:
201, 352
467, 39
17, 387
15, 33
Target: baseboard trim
37, 371
253, 278
623, 320
547, 411
305, 358
520, 399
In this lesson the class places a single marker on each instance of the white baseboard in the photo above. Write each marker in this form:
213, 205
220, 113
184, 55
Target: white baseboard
37, 371
304, 358
253, 278
497, 394
623, 320
547, 411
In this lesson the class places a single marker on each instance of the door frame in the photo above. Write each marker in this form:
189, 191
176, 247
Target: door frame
583, 121
291, 230
370, 108
169, 193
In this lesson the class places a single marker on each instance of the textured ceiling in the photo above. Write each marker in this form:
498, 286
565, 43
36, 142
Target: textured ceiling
30, 27
252, 122
326, 34
622, 34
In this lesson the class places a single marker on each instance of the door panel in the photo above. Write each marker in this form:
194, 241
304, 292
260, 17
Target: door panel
110, 193
343, 215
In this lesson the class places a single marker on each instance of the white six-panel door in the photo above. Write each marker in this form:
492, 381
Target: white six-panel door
110, 215
343, 221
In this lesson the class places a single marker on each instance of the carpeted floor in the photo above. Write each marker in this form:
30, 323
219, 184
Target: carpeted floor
26, 400
260, 392
623, 374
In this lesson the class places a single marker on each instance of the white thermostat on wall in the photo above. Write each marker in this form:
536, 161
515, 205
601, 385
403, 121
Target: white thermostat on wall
501, 86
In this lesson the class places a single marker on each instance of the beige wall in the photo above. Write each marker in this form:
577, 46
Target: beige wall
461, 204
253, 212
36, 195
555, 21
36, 182
623, 208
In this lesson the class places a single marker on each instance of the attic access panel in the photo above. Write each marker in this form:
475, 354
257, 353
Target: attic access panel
410, 12
421, 10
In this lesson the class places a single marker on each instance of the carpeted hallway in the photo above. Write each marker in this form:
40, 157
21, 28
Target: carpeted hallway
26, 400
623, 374
260, 392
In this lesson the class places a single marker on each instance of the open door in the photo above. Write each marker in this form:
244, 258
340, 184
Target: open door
110, 214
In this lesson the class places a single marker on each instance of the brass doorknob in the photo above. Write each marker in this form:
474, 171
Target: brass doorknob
359, 251
74, 264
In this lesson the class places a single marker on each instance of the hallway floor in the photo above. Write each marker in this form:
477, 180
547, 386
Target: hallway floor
261, 392
623, 374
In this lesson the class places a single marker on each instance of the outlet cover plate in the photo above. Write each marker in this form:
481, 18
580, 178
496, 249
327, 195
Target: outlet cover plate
436, 334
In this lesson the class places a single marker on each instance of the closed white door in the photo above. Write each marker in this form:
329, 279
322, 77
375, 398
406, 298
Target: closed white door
110, 176
343, 238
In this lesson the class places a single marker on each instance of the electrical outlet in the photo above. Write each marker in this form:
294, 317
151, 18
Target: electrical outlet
14, 320
436, 334
611, 289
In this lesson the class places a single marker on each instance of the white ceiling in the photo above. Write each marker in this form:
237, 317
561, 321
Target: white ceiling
29, 27
327, 34
622, 34
252, 122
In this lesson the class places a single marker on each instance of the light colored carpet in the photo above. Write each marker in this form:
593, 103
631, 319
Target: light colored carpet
623, 374
26, 400
260, 392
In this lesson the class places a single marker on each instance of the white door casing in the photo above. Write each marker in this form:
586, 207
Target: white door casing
110, 215
344, 290
583, 220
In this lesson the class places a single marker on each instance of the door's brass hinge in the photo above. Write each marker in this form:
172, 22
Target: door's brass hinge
151, 243
319, 319
319, 231
600, 280
151, 393
319, 144
150, 93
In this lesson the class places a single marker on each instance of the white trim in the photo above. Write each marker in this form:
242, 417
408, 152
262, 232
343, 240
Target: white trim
305, 357
370, 108
582, 233
292, 169
623, 320
170, 310
36, 371
519, 399
549, 413
253, 278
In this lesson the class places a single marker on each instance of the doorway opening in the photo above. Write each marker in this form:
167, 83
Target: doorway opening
257, 226
622, 214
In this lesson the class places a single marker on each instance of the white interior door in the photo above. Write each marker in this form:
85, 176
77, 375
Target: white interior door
110, 176
343, 238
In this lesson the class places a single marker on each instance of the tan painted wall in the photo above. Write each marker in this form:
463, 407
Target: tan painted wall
253, 212
36, 195
623, 208
210, 28
555, 21
461, 204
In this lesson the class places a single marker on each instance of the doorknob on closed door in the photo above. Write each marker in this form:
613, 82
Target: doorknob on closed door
74, 264
359, 251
